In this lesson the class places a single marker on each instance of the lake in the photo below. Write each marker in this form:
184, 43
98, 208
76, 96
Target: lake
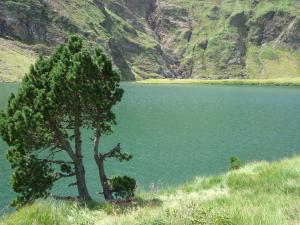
177, 132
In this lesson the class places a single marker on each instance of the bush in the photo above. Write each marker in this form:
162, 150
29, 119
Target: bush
207, 216
236, 163
123, 186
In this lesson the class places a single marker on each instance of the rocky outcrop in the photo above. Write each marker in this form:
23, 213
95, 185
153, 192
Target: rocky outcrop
124, 12
269, 26
215, 13
140, 8
292, 34
26, 23
120, 61
30, 23
172, 28
160, 38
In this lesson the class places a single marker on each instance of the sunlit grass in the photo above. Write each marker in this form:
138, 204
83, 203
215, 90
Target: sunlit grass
15, 60
277, 81
259, 193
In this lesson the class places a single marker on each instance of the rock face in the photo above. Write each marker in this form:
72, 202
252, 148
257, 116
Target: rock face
166, 38
269, 26
171, 26
24, 23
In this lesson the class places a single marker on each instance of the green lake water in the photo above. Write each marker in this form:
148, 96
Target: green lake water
177, 132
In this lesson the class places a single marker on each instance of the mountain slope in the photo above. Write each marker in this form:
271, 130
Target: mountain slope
260, 193
171, 38
15, 59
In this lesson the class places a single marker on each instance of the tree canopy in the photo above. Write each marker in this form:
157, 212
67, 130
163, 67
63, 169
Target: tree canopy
70, 90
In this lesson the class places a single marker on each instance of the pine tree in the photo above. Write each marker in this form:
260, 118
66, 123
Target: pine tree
69, 91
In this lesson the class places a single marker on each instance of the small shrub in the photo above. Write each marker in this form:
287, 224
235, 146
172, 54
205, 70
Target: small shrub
123, 186
207, 216
236, 163
270, 54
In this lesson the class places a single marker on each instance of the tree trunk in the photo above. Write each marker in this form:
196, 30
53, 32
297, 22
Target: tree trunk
81, 184
100, 163
104, 182
79, 167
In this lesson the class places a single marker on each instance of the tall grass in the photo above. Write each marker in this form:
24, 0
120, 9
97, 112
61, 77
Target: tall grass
259, 193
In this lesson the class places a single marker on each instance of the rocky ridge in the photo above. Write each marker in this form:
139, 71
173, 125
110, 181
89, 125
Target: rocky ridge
168, 38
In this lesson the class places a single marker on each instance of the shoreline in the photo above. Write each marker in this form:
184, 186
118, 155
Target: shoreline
10, 82
250, 82
258, 82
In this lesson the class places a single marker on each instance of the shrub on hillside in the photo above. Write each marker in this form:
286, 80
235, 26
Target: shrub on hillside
236, 163
204, 216
123, 186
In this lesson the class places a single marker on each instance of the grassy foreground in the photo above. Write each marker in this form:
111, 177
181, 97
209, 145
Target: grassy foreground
275, 82
259, 193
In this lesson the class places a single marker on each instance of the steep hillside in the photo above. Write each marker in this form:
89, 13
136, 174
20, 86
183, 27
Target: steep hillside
171, 38
15, 59
259, 193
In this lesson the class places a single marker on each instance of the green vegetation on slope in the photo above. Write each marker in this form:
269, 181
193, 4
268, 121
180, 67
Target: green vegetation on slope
228, 38
15, 60
199, 39
111, 24
259, 193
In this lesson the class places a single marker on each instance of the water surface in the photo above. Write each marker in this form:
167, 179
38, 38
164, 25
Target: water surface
177, 132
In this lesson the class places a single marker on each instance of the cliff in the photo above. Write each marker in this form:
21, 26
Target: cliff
171, 38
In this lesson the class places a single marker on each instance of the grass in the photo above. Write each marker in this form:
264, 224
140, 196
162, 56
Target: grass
15, 60
270, 63
275, 82
259, 193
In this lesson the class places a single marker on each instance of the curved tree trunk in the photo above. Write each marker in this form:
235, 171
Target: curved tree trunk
104, 181
100, 163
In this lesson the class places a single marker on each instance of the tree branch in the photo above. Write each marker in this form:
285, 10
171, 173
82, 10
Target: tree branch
57, 161
58, 176
64, 144
115, 152
72, 184
96, 143
67, 147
